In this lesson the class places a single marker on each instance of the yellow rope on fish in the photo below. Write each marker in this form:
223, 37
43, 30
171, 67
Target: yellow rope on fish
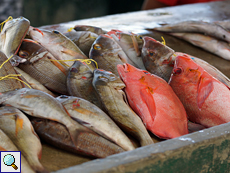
70, 29
9, 18
87, 61
13, 76
163, 42
6, 61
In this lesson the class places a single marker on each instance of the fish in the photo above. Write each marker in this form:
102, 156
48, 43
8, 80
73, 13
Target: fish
79, 83
18, 128
63, 28
94, 29
83, 39
7, 145
61, 47
43, 66
205, 28
42, 105
95, 119
109, 87
154, 101
208, 43
11, 36
107, 53
224, 23
33, 82
131, 45
164, 66
206, 99
208, 68
9, 78
57, 135
157, 57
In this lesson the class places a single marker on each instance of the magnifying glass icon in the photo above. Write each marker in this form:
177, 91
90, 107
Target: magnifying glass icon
9, 160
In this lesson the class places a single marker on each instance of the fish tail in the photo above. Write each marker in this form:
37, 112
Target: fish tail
145, 142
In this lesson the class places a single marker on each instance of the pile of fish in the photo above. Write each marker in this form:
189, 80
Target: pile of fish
213, 37
87, 91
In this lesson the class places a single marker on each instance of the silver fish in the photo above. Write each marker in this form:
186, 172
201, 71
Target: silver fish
107, 53
19, 129
11, 37
95, 119
206, 28
7, 145
109, 87
215, 46
83, 39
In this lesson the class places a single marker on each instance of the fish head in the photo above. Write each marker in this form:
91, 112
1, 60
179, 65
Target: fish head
30, 50
131, 74
107, 78
46, 36
156, 52
12, 34
186, 70
80, 70
94, 29
103, 45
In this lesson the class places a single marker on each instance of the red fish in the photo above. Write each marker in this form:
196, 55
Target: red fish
206, 100
155, 102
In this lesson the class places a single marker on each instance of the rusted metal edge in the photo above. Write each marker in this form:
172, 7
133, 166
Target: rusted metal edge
206, 150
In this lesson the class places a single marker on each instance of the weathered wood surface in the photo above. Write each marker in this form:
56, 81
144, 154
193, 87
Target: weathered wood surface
203, 151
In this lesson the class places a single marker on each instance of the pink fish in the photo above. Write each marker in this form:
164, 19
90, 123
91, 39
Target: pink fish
206, 100
155, 102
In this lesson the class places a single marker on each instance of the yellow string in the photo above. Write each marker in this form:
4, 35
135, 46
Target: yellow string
9, 18
163, 42
87, 61
6, 61
70, 29
12, 76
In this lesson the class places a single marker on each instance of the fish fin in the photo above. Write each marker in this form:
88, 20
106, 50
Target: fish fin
25, 108
124, 96
205, 87
84, 123
146, 96
30, 96
18, 124
135, 45
122, 58
59, 66
74, 53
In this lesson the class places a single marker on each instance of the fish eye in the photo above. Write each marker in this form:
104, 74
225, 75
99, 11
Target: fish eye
140, 37
146, 72
23, 54
97, 46
151, 53
177, 71
55, 32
